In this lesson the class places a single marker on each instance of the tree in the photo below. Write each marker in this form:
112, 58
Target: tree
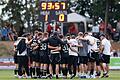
21, 13
96, 9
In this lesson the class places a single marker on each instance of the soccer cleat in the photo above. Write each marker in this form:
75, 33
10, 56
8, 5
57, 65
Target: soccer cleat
82, 77
57, 77
105, 75
28, 77
49, 76
98, 74
78, 74
44, 77
93, 76
64, 77
72, 76
87, 76
15, 75
20, 77
35, 77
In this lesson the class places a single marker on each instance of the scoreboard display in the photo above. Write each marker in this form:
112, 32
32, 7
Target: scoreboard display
53, 10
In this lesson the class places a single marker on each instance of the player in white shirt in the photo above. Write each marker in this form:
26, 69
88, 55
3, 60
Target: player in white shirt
92, 54
105, 49
73, 55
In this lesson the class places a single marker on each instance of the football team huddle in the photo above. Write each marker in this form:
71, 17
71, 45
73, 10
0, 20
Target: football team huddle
41, 56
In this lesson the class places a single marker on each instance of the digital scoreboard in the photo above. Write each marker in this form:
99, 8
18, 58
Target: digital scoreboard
53, 10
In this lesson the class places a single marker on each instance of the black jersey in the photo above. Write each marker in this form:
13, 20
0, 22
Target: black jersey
54, 41
43, 46
65, 49
22, 48
33, 44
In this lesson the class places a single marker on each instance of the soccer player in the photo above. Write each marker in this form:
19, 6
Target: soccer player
15, 58
82, 56
98, 68
73, 55
29, 51
92, 48
22, 57
105, 50
54, 44
64, 56
44, 59
38, 54
34, 56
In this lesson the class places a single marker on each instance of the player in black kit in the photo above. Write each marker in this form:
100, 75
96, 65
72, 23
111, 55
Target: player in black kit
54, 44
43, 53
64, 56
34, 56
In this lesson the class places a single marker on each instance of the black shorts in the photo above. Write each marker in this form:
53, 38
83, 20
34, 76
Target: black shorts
83, 59
64, 58
30, 58
105, 58
15, 59
35, 56
73, 60
23, 60
55, 58
92, 57
97, 59
43, 57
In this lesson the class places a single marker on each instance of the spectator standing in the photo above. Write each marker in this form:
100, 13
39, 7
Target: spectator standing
4, 34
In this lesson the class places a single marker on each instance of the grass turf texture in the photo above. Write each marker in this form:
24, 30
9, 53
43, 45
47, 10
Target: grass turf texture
8, 75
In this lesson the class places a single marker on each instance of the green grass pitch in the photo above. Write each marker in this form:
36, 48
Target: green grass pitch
8, 75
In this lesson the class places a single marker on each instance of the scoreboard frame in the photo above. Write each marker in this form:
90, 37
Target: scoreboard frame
53, 10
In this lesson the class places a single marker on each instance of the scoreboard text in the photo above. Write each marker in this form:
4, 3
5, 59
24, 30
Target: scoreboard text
53, 10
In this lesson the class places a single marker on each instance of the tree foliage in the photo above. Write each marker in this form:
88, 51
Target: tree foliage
96, 9
22, 13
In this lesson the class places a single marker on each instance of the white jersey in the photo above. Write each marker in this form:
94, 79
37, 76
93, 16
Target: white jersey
107, 46
94, 46
92, 43
73, 42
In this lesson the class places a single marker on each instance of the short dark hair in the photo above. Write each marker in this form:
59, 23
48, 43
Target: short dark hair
73, 36
102, 35
40, 33
61, 36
